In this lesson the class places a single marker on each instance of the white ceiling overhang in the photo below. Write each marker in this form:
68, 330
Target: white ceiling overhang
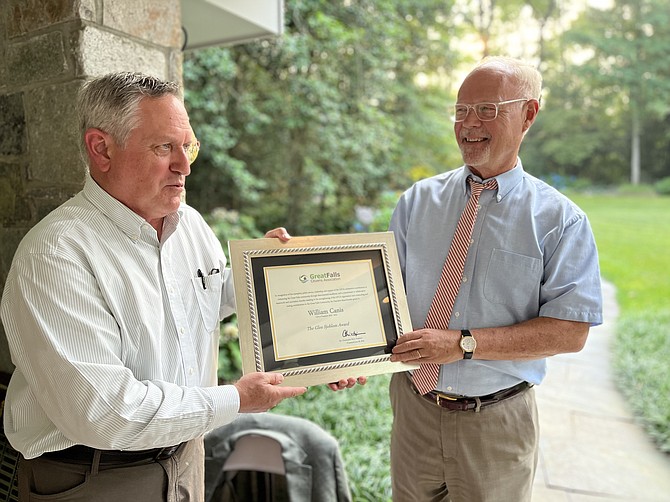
226, 22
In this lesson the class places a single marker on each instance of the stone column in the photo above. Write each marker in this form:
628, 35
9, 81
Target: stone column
48, 48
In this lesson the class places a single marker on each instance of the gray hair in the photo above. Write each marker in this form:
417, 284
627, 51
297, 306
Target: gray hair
111, 103
527, 76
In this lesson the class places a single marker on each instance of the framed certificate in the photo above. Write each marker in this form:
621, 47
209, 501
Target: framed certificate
319, 308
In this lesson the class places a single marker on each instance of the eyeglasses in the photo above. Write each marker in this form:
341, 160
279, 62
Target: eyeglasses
484, 111
192, 150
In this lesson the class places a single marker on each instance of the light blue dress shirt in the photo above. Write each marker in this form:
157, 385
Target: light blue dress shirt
533, 255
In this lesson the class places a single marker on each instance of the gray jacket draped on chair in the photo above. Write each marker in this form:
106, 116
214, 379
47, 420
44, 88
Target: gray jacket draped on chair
314, 467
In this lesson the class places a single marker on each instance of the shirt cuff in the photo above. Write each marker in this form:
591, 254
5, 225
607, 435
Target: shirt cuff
226, 401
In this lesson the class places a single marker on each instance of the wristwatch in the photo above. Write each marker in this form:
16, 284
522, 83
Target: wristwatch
468, 344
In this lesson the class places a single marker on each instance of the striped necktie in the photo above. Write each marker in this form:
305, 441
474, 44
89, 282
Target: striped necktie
426, 376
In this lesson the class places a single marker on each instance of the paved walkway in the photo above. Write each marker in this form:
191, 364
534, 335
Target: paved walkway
591, 449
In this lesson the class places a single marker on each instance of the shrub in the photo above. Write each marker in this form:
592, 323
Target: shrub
230, 359
646, 380
662, 187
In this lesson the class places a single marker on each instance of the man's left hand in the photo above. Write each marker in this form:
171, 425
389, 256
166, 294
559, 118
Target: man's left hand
428, 346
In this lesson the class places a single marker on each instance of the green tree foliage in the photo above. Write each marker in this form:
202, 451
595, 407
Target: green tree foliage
608, 105
299, 130
578, 132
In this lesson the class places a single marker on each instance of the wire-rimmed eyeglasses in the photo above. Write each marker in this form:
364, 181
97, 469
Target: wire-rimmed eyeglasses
485, 111
192, 150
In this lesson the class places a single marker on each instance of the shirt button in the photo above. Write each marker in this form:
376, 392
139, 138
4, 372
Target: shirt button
464, 279
450, 388
182, 330
498, 198
190, 371
457, 314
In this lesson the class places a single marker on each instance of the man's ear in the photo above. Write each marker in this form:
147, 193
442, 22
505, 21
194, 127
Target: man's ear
532, 109
97, 146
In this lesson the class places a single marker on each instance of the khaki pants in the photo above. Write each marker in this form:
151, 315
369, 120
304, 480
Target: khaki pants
179, 478
439, 455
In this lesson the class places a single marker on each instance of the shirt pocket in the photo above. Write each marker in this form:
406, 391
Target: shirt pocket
208, 296
513, 279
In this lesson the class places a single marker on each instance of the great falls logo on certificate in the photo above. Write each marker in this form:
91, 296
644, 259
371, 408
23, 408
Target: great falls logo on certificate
324, 276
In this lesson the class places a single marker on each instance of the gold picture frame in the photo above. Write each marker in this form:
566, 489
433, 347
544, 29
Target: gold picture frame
319, 308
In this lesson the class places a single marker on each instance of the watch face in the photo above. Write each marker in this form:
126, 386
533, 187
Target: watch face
468, 343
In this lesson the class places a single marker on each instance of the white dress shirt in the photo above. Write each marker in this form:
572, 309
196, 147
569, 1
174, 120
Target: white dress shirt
114, 334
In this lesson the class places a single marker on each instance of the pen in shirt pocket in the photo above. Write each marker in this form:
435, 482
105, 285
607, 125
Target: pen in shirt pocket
202, 276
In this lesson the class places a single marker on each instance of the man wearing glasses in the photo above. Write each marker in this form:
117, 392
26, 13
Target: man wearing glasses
521, 283
112, 309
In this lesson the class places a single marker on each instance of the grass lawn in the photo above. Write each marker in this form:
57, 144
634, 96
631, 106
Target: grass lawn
633, 236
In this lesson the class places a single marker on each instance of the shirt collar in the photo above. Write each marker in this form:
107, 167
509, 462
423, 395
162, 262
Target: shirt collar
506, 181
121, 215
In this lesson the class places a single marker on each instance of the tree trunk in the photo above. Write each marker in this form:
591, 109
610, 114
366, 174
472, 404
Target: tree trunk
635, 147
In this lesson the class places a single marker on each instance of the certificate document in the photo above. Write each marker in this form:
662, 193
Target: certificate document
323, 308
319, 308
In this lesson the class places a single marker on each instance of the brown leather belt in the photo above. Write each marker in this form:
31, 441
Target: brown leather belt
464, 403
80, 454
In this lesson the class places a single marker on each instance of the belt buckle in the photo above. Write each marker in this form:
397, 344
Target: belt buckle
439, 395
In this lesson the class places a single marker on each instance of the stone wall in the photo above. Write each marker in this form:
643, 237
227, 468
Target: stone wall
48, 48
